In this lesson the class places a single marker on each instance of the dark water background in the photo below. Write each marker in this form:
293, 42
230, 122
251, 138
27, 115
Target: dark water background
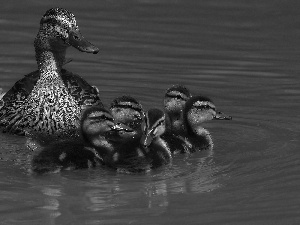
243, 54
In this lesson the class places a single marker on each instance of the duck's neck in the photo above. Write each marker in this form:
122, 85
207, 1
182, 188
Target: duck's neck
50, 61
174, 122
196, 130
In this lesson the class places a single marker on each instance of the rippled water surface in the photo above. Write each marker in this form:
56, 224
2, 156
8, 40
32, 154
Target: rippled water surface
242, 54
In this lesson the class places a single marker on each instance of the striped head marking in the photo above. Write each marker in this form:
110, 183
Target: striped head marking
199, 109
95, 120
175, 98
126, 109
153, 125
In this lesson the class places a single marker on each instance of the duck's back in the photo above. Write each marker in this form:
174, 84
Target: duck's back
84, 94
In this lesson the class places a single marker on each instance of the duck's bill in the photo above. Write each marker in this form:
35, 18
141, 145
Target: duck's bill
146, 139
222, 116
121, 127
79, 42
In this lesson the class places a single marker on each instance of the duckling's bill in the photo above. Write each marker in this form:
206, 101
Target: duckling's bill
146, 139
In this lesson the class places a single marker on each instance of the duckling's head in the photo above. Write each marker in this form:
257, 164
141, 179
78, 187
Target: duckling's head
96, 126
153, 126
175, 99
58, 30
127, 110
199, 109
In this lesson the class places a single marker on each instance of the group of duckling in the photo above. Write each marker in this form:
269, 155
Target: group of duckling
75, 130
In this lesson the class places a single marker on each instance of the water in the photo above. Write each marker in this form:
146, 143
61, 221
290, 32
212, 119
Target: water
242, 54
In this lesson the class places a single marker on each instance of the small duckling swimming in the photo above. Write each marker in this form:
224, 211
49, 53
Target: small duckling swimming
50, 100
174, 102
149, 152
158, 149
197, 110
98, 130
127, 110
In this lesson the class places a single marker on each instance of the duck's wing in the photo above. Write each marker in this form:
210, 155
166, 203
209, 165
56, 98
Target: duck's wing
85, 94
22, 88
13, 100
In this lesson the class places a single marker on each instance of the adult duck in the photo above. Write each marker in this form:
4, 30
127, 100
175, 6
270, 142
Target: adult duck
49, 101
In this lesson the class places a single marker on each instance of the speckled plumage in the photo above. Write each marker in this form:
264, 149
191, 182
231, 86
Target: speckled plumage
50, 100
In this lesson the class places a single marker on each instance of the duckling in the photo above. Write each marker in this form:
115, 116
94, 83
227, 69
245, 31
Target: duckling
97, 130
146, 153
174, 101
197, 110
127, 110
154, 126
50, 100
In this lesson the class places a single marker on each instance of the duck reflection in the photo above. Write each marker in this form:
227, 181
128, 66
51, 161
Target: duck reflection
92, 194
52, 204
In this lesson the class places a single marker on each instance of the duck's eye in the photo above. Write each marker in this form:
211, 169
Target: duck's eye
76, 37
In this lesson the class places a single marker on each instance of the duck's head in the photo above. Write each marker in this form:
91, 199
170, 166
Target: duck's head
153, 126
127, 110
58, 30
175, 99
199, 109
98, 127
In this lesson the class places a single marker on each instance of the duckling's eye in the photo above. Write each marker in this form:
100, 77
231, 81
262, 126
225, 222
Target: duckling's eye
174, 96
202, 107
103, 117
179, 97
160, 123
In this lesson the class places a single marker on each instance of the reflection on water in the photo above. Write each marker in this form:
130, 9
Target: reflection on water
106, 192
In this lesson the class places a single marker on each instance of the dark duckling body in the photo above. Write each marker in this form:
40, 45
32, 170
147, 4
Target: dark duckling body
98, 130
